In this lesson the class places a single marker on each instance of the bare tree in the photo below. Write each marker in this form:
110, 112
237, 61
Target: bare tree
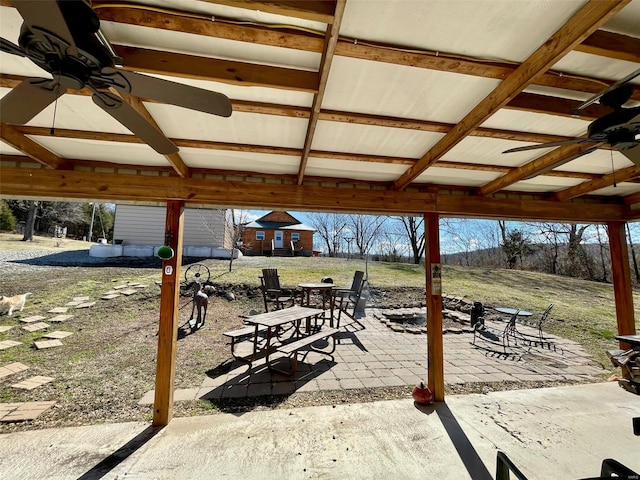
633, 254
414, 229
330, 227
604, 253
365, 229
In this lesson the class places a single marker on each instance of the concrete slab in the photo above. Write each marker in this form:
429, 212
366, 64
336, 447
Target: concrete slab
26, 411
8, 344
59, 310
57, 335
60, 318
33, 318
33, 382
86, 305
562, 432
42, 344
34, 327
5, 328
12, 368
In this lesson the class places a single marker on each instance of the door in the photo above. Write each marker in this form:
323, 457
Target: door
278, 239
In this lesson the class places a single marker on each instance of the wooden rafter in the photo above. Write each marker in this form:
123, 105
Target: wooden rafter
271, 150
600, 43
37, 152
330, 41
205, 68
317, 10
576, 29
549, 161
596, 184
110, 186
612, 45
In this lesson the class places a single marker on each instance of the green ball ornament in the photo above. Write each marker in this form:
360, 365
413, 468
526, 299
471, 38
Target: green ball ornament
165, 252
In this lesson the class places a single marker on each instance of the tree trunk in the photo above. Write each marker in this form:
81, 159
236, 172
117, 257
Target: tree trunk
31, 222
633, 255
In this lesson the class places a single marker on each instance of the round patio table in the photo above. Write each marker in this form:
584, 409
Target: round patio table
511, 311
322, 288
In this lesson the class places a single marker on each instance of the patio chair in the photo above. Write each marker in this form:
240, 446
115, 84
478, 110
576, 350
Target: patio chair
540, 339
345, 300
496, 336
273, 293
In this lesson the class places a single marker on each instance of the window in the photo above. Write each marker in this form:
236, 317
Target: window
295, 237
259, 235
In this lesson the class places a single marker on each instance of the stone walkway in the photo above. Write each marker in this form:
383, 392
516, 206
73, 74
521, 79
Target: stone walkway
381, 357
18, 412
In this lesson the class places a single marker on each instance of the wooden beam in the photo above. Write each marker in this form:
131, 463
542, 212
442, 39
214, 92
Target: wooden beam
340, 198
316, 10
549, 161
168, 327
621, 275
206, 25
330, 40
605, 181
435, 351
577, 28
453, 63
205, 68
34, 150
529, 102
266, 149
520, 102
612, 45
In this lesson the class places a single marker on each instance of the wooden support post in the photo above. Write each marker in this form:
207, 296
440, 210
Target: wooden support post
621, 275
435, 353
168, 328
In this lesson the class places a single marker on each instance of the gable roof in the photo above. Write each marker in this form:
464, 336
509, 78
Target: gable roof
267, 223
338, 106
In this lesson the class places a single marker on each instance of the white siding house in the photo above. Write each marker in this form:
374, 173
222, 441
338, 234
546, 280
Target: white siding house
144, 225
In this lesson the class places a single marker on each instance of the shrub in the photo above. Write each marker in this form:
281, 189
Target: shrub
7, 220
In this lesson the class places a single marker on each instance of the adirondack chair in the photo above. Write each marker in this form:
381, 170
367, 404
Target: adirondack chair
345, 300
273, 293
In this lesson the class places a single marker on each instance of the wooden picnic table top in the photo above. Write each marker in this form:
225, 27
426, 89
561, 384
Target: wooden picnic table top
286, 315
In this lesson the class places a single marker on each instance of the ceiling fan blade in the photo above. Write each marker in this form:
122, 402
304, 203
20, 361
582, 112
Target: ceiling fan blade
631, 150
173, 93
599, 95
135, 122
45, 15
10, 47
550, 144
28, 99
563, 161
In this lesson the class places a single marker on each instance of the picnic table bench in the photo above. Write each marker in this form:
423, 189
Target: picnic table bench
305, 344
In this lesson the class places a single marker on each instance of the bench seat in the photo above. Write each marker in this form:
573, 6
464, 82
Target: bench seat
241, 334
305, 344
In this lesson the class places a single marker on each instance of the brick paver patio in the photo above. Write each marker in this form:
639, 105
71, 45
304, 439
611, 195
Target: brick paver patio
379, 356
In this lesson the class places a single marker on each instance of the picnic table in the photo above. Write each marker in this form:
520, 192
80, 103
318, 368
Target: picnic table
273, 326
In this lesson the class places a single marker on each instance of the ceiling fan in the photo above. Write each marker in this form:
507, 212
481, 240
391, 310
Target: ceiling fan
63, 37
620, 129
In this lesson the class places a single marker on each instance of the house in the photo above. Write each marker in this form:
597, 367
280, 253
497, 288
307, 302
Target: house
138, 230
277, 234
